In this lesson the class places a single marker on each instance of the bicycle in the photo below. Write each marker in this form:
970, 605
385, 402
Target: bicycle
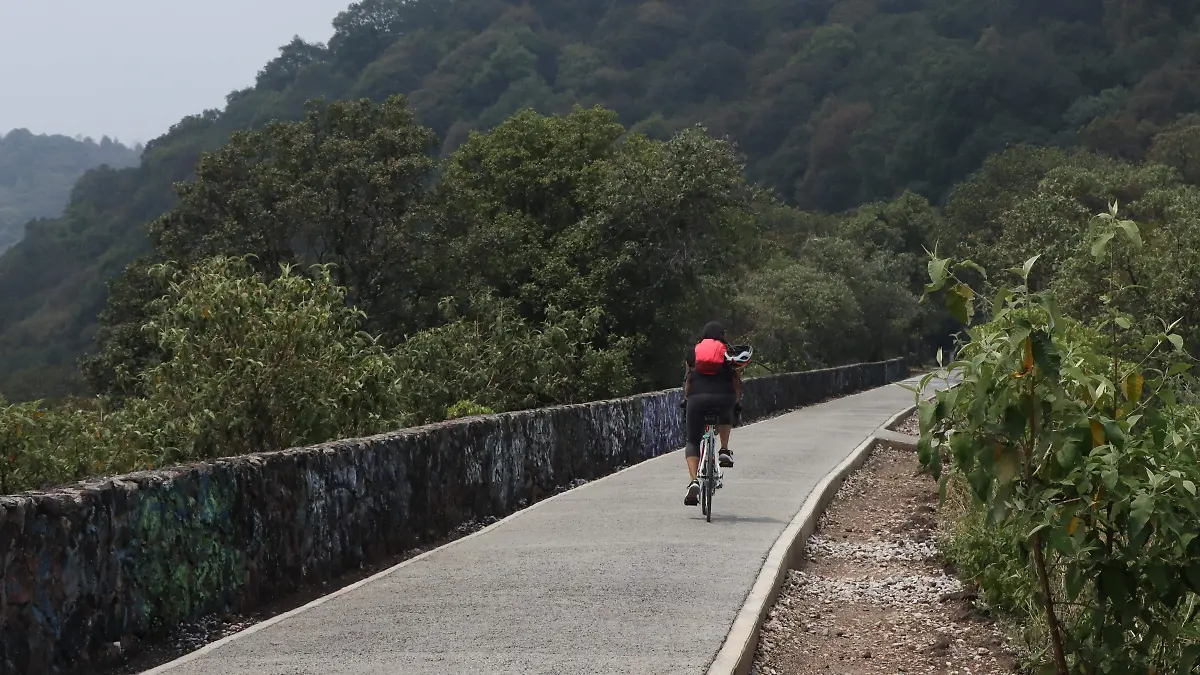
709, 474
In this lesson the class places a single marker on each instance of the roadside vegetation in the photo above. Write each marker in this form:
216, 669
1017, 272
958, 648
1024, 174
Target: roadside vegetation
1071, 447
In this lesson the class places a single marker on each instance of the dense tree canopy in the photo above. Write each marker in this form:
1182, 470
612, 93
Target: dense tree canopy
38, 172
331, 276
552, 217
1035, 201
834, 103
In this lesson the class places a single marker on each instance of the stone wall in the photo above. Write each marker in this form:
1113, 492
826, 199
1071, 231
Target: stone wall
85, 565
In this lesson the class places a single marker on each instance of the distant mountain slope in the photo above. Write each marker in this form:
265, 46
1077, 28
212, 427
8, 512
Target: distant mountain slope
38, 172
835, 102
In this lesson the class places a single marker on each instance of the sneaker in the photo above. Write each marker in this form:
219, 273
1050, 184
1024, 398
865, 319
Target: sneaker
725, 457
693, 495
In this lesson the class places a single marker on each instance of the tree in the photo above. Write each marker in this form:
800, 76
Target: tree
365, 29
400, 69
520, 187
1070, 438
345, 186
37, 172
487, 357
257, 365
947, 84
558, 212
125, 350
797, 316
1178, 146
293, 57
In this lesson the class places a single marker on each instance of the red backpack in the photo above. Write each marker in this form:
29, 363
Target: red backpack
710, 357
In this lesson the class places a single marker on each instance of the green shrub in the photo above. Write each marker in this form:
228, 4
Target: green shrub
260, 365
488, 352
984, 553
1069, 436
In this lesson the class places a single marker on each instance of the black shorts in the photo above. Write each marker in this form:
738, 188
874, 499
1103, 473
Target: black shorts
697, 406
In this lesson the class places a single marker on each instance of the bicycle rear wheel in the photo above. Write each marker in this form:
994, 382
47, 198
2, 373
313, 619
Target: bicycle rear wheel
709, 487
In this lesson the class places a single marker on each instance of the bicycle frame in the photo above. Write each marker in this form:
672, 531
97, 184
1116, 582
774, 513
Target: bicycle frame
709, 472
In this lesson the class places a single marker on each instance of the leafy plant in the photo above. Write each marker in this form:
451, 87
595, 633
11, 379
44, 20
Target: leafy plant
1073, 435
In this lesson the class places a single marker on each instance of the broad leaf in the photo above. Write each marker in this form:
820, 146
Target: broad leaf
1131, 233
1028, 267
960, 300
1007, 464
1134, 383
1189, 660
1139, 514
937, 274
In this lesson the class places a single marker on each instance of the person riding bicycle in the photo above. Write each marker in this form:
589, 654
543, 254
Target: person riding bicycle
710, 385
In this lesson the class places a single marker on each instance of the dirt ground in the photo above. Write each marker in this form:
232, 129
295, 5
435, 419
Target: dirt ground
872, 595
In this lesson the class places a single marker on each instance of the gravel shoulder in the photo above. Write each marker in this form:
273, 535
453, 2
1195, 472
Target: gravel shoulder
872, 595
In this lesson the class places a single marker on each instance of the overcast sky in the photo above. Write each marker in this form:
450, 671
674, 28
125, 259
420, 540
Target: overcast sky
132, 68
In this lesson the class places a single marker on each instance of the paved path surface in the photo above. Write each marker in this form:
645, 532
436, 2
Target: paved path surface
602, 579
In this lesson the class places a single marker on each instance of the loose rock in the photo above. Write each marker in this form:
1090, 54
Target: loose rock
872, 595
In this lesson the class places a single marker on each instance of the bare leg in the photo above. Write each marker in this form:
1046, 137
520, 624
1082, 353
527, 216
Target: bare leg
724, 430
693, 466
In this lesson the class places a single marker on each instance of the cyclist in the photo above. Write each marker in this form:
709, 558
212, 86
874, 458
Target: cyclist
710, 385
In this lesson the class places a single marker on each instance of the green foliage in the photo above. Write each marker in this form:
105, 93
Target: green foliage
124, 349
39, 447
987, 553
835, 103
467, 409
831, 290
1027, 202
37, 172
1073, 435
487, 351
254, 365
798, 316
343, 186
570, 212
559, 259
560, 214
258, 365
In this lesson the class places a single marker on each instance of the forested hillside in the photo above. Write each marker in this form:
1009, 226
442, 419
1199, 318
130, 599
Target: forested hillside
313, 282
38, 172
421, 246
834, 102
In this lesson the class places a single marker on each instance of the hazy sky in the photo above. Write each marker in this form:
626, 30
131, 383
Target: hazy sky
132, 68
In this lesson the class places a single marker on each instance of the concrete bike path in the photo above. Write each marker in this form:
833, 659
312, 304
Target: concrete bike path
616, 576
